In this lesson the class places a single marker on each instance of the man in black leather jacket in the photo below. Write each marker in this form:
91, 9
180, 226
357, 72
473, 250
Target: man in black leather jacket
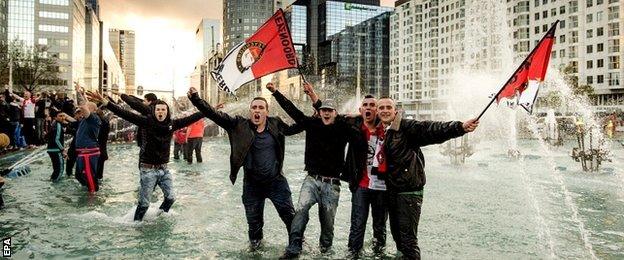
257, 145
405, 164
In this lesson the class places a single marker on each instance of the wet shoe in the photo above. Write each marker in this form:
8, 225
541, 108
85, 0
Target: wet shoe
139, 213
255, 245
289, 255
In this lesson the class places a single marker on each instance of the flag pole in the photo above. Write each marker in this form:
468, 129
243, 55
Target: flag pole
552, 28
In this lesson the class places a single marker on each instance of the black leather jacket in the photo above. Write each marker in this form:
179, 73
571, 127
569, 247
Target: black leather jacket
241, 134
406, 163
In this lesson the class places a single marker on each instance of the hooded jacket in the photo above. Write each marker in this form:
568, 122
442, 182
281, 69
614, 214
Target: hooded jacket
156, 146
241, 132
406, 163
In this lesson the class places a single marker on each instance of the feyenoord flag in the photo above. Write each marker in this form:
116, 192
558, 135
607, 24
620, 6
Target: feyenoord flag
270, 49
524, 83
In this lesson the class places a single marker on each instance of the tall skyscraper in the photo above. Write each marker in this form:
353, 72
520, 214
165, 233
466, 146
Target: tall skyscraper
241, 19
123, 45
4, 14
57, 24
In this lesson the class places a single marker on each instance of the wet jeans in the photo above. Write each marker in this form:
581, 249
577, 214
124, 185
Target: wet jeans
404, 209
254, 195
363, 199
326, 195
149, 179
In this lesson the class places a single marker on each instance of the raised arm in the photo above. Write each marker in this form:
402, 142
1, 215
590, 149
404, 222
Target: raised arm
136, 104
80, 96
138, 120
422, 133
288, 106
289, 130
185, 121
220, 118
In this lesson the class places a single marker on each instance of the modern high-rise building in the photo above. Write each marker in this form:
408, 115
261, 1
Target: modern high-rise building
123, 45
95, 6
357, 58
93, 53
207, 38
241, 19
588, 41
57, 24
430, 40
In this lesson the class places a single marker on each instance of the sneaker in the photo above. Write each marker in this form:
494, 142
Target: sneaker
289, 255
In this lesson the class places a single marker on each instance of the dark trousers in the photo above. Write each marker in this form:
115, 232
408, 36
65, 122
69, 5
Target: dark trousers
404, 212
100, 168
29, 131
86, 168
194, 144
179, 149
40, 130
57, 165
71, 159
254, 195
11, 132
361, 200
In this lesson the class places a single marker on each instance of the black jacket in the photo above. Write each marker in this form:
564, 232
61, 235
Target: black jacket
325, 144
406, 163
241, 134
157, 144
357, 153
137, 104
103, 137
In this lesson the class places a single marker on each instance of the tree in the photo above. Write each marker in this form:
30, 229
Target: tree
33, 66
570, 76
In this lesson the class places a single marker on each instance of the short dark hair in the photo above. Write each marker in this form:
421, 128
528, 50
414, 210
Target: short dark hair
151, 97
54, 113
369, 96
263, 99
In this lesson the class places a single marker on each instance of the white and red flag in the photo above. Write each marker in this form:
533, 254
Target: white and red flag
269, 49
525, 82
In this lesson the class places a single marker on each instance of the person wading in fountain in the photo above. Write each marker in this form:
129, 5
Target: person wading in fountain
144, 107
405, 173
56, 148
155, 149
361, 170
324, 161
257, 145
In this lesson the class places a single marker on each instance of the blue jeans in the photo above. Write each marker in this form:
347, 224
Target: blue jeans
254, 195
326, 195
149, 179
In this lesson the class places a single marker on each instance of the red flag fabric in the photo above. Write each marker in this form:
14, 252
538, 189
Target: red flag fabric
268, 50
532, 70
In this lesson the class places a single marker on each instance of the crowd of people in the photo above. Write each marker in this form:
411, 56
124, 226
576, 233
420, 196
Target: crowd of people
383, 164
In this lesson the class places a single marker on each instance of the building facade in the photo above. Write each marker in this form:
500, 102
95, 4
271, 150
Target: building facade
241, 19
207, 38
588, 41
357, 58
122, 43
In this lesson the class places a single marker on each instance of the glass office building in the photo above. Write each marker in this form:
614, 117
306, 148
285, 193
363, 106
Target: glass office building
335, 16
360, 51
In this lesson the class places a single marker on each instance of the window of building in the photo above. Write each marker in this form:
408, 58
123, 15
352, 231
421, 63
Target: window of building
54, 2
614, 62
600, 63
614, 45
589, 64
590, 48
589, 33
589, 18
590, 3
54, 15
537, 16
600, 79
53, 28
614, 29
599, 31
590, 80
562, 38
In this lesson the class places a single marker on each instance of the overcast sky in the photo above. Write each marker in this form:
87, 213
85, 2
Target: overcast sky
165, 36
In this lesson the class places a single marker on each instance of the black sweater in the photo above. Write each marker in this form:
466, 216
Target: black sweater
156, 146
325, 144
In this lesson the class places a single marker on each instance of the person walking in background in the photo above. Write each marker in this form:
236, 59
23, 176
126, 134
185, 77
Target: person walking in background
179, 144
41, 113
28, 117
195, 135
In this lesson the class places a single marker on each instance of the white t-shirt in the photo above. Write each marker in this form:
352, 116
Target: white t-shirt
374, 148
29, 109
